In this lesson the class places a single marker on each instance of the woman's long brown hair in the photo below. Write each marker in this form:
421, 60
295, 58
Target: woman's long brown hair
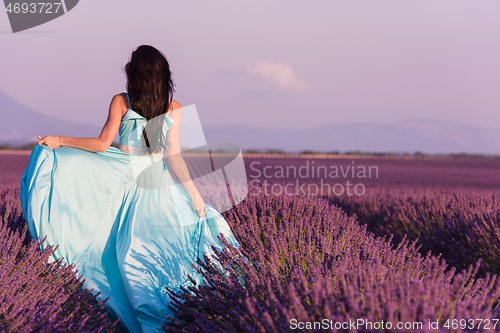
151, 89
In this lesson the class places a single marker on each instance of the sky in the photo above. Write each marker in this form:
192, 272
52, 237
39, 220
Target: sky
270, 64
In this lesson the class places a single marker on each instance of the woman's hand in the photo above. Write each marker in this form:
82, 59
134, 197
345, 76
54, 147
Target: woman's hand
50, 141
198, 204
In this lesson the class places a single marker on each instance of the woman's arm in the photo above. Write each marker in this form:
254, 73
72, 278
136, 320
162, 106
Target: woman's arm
99, 144
177, 162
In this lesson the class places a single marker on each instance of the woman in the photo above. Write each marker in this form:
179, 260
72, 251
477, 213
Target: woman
117, 214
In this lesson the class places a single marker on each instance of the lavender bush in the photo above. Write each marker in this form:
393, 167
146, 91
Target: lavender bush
463, 226
309, 261
11, 212
35, 295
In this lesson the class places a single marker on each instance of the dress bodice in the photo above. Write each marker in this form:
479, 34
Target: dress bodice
131, 128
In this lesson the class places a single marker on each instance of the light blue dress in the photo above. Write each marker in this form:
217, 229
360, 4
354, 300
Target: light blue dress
130, 235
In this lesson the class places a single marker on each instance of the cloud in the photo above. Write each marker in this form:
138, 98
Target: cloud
279, 74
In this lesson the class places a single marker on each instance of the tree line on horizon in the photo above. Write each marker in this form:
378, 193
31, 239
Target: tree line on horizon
31, 145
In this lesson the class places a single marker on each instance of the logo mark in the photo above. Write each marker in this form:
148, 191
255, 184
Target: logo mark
26, 14
217, 169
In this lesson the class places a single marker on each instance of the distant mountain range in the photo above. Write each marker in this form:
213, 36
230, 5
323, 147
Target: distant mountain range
420, 135
20, 125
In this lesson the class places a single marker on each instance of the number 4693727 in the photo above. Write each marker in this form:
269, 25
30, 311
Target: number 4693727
32, 8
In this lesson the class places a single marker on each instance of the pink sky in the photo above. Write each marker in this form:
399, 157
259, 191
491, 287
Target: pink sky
286, 64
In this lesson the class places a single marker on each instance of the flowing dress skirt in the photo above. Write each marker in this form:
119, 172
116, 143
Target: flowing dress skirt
130, 235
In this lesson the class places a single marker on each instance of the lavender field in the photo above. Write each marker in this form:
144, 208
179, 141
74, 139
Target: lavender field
420, 247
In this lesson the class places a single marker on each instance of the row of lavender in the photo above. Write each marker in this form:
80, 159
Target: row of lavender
312, 268
463, 227
36, 296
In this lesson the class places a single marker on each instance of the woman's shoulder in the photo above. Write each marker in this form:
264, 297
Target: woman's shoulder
121, 97
174, 105
120, 100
